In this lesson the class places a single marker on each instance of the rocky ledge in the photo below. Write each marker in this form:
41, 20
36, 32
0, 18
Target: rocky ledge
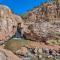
7, 55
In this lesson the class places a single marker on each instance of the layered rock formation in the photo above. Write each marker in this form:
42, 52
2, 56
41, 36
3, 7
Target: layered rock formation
8, 23
43, 23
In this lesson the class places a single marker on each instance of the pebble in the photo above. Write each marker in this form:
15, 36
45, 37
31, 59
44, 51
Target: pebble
54, 53
22, 51
39, 54
36, 50
50, 52
32, 50
50, 56
1, 42
46, 50
57, 54
40, 51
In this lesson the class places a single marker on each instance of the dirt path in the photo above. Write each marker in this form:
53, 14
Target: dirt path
42, 45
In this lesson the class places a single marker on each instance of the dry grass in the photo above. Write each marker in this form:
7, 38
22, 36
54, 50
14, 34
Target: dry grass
14, 45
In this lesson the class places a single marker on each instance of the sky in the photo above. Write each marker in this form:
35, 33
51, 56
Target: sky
21, 6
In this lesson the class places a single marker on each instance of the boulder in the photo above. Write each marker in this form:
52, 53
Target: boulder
22, 51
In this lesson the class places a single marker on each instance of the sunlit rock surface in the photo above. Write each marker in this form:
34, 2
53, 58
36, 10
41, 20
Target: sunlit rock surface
43, 23
7, 55
8, 23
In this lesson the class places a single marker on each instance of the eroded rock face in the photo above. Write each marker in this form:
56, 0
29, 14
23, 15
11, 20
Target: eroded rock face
42, 27
8, 23
40, 31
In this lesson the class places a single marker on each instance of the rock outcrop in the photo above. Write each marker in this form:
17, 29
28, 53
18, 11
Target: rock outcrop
7, 55
8, 23
43, 23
